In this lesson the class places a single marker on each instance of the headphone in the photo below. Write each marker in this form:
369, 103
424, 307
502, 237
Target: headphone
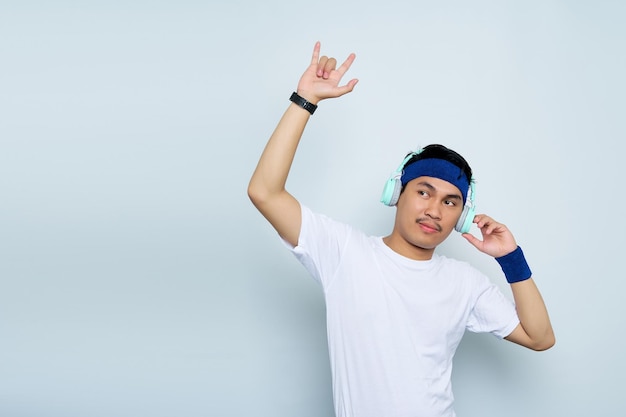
393, 187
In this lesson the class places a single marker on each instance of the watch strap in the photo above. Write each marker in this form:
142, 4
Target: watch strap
302, 102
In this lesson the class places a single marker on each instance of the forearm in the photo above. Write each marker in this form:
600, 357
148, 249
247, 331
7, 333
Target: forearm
273, 167
533, 314
535, 330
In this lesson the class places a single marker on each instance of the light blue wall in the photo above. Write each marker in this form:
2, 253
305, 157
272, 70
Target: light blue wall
136, 279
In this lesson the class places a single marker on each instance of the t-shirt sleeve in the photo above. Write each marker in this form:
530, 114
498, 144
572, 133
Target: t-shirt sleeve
493, 313
319, 245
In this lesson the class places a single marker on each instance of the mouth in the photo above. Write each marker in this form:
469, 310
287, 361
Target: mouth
428, 227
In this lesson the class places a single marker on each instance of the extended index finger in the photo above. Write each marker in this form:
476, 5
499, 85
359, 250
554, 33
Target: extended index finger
316, 53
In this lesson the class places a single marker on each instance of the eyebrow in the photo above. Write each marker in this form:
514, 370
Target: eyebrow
431, 187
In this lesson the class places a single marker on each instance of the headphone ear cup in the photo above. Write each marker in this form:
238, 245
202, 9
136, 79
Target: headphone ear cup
464, 223
391, 192
393, 186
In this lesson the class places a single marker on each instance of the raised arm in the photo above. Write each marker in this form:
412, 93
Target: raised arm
535, 330
267, 185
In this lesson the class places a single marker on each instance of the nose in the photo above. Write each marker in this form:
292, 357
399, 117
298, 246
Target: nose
433, 210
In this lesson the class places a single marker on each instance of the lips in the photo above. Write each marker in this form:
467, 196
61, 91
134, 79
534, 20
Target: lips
428, 227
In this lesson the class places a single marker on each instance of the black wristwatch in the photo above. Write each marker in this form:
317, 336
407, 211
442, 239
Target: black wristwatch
302, 102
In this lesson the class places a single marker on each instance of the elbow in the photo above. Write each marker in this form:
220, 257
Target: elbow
251, 193
262, 195
256, 194
544, 344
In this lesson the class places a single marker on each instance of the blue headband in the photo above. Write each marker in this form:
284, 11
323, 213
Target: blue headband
437, 168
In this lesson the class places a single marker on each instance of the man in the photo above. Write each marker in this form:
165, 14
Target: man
396, 310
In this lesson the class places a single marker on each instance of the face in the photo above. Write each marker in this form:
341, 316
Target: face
427, 212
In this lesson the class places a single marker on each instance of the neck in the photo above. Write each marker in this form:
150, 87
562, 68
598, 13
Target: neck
408, 250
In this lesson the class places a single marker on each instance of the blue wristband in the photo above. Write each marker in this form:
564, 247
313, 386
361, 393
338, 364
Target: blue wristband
514, 266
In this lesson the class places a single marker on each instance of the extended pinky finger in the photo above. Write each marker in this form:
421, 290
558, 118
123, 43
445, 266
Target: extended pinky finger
346, 64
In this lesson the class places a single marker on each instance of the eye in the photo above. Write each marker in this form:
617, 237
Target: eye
423, 193
449, 203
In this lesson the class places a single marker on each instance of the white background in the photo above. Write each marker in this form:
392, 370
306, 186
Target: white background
136, 279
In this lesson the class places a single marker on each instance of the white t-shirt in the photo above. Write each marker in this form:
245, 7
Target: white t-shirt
395, 323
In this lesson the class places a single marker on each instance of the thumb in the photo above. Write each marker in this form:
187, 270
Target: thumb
348, 87
473, 240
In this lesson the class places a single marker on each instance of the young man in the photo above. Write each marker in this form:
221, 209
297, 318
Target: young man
396, 310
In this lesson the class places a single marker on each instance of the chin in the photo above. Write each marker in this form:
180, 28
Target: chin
427, 245
424, 247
